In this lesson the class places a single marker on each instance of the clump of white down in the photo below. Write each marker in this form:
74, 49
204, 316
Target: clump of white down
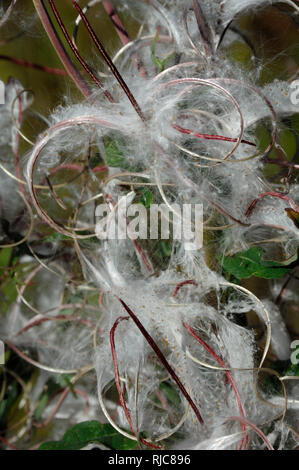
217, 100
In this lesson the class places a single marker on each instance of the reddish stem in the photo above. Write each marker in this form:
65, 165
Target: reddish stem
272, 194
7, 443
119, 27
122, 33
59, 403
228, 374
100, 169
183, 283
116, 372
16, 146
100, 301
60, 50
281, 163
75, 167
136, 244
76, 52
254, 427
57, 317
32, 65
209, 136
204, 29
282, 291
109, 62
162, 359
66, 166
118, 384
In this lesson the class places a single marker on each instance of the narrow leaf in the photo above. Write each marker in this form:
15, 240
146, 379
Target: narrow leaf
89, 432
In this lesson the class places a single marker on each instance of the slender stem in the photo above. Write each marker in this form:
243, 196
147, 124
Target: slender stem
183, 283
109, 62
7, 443
209, 136
16, 145
292, 203
204, 28
7, 13
254, 427
122, 33
77, 54
228, 375
120, 29
163, 359
26, 63
273, 161
60, 50
118, 384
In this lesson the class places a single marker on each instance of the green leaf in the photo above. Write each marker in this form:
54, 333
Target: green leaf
287, 140
89, 432
50, 389
166, 248
56, 237
240, 52
146, 198
114, 155
292, 369
159, 63
66, 382
41, 406
250, 263
10, 293
5, 256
